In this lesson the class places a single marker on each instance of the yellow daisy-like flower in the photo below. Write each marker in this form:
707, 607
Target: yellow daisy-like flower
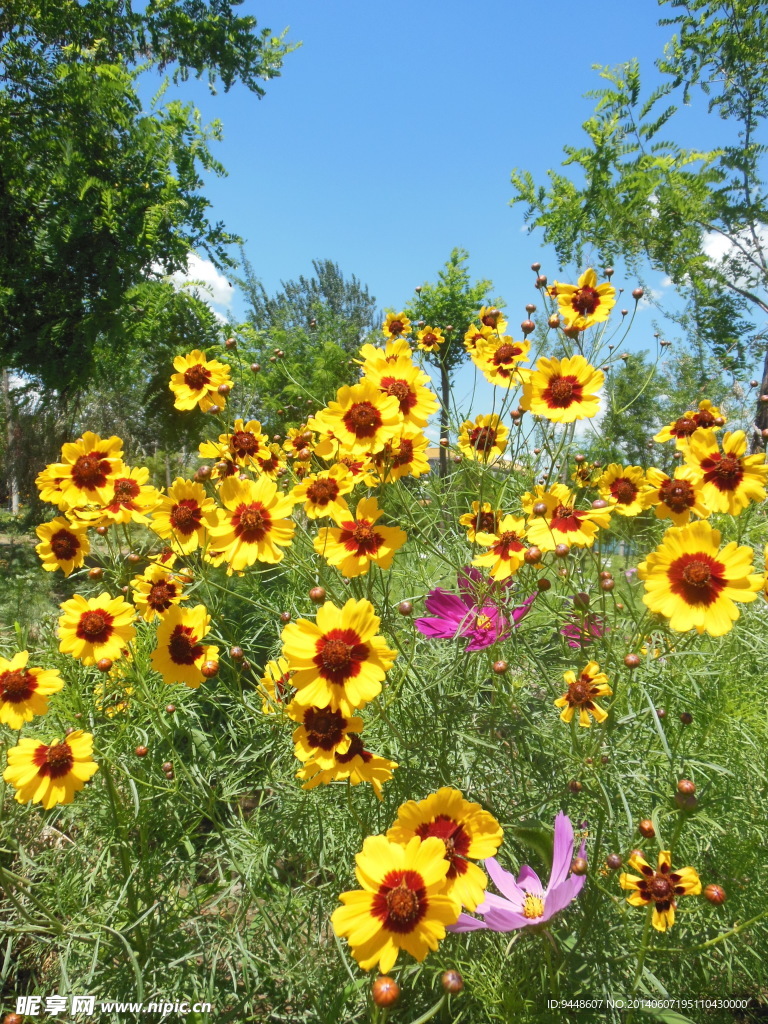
180, 652
563, 390
474, 336
244, 445
157, 590
485, 440
50, 483
276, 686
52, 774
356, 541
24, 691
403, 456
401, 905
659, 888
585, 474
396, 351
506, 548
492, 318
322, 732
197, 381
356, 765
338, 660
583, 690
254, 523
409, 385
677, 497
706, 417
499, 359
396, 325
271, 462
85, 475
481, 520
730, 479
585, 303
298, 440
429, 339
184, 516
360, 421
322, 493
625, 489
63, 545
694, 584
131, 500
561, 522
95, 627
467, 832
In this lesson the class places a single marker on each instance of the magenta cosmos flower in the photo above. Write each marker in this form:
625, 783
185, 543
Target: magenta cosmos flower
463, 615
526, 902
583, 629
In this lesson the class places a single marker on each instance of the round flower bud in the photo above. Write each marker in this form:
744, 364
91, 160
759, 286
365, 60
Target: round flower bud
530, 308
606, 574
753, 383
317, 595
608, 272
637, 294
385, 991
686, 802
686, 717
575, 786
133, 558
578, 866
444, 442
104, 664
686, 787
230, 343
527, 326
500, 667
535, 267
544, 584
452, 982
607, 584
541, 281
95, 573
13, 1018
599, 503
581, 600
141, 751
255, 367
613, 862
554, 321
561, 550
646, 828
661, 714
170, 709
540, 508
285, 616
714, 893
580, 458
632, 660
101, 530
236, 653
532, 555
405, 608
210, 669
457, 459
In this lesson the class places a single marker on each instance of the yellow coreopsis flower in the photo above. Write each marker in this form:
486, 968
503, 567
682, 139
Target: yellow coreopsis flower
625, 489
499, 359
585, 303
197, 382
730, 479
409, 385
63, 545
254, 523
492, 318
157, 589
429, 339
395, 325
355, 765
582, 692
481, 520
96, 627
360, 421
321, 732
244, 445
474, 336
677, 497
563, 390
403, 456
85, 475
357, 541
506, 548
131, 500
484, 440
275, 686
659, 888
561, 522
51, 774
180, 653
184, 516
706, 417
323, 493
24, 691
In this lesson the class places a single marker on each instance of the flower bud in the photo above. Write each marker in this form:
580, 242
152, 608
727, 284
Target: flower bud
452, 982
500, 667
554, 321
104, 664
632, 660
599, 503
527, 326
562, 550
607, 585
575, 786
236, 653
223, 390
230, 343
530, 308
285, 616
613, 862
210, 669
255, 367
686, 718
167, 766
541, 281
317, 595
385, 991
540, 508
535, 267
686, 787
578, 866
405, 608
170, 709
637, 294
646, 828
141, 751
543, 585
95, 573
532, 555
714, 893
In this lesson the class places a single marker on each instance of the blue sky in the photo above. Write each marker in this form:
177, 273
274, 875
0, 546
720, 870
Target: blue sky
391, 134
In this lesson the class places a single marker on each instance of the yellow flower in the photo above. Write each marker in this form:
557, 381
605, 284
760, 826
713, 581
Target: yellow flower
582, 692
408, 385
467, 832
62, 545
659, 888
86, 473
475, 336
24, 691
131, 500
625, 489
244, 445
429, 339
499, 359
180, 652
401, 905
492, 318
254, 523
321, 733
338, 660
275, 686
694, 584
561, 522
51, 774
730, 479
395, 325
271, 462
157, 589
197, 381
484, 440
403, 456
360, 421
481, 520
563, 390
586, 303
322, 493
396, 352
706, 417
356, 541
677, 497
506, 548
298, 440
96, 627
184, 515
356, 765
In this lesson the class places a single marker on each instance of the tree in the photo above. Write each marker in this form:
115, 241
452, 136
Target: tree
94, 191
699, 217
451, 304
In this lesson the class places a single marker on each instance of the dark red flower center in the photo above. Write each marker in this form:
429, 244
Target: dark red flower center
401, 901
251, 522
566, 519
321, 491
355, 750
196, 377
724, 471
95, 627
585, 301
678, 495
429, 339
126, 490
340, 654
684, 427
697, 578
396, 326
456, 840
243, 443
483, 439
704, 418
362, 419
507, 543
360, 537
491, 318
161, 595
64, 545
186, 516
660, 888
562, 392
324, 728
53, 762
485, 522
91, 471
184, 648
401, 390
17, 686
506, 353
580, 693
624, 490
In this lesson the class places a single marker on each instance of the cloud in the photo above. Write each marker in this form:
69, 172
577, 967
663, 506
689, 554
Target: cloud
204, 281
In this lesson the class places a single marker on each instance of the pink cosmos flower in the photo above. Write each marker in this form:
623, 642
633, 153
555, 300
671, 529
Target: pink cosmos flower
583, 629
526, 902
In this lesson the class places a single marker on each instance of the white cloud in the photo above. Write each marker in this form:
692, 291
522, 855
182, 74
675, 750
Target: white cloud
204, 281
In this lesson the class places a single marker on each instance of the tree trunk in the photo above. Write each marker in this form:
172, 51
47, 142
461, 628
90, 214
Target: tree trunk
761, 413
